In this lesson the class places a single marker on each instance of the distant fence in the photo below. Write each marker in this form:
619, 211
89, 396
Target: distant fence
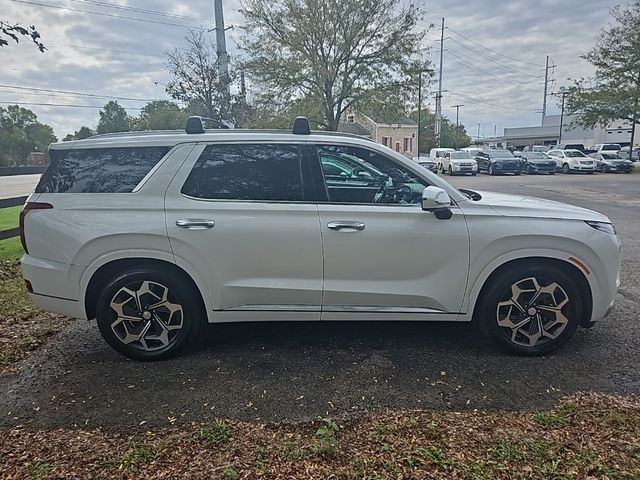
8, 171
11, 202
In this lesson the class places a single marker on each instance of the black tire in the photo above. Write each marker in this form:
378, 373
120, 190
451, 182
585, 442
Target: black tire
178, 293
450, 171
517, 173
565, 168
552, 173
491, 171
473, 174
492, 308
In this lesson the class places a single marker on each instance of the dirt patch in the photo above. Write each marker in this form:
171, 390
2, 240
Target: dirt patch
585, 436
23, 327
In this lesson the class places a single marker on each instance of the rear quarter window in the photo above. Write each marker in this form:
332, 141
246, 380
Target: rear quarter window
99, 170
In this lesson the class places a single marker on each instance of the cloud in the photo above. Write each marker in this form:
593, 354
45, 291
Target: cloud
496, 71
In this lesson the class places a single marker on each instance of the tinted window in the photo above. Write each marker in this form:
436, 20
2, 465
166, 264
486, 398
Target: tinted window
611, 146
246, 172
359, 175
573, 154
98, 170
501, 154
611, 156
536, 155
460, 155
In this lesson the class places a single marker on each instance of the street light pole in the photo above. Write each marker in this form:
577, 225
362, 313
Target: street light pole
419, 110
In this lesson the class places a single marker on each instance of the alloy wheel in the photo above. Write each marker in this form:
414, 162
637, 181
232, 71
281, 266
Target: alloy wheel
147, 316
532, 315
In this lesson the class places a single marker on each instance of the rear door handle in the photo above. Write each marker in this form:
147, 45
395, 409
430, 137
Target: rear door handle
344, 225
195, 223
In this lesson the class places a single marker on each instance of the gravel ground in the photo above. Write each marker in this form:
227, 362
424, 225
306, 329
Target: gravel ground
289, 372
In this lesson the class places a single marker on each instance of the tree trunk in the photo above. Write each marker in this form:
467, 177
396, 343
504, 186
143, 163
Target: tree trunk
635, 117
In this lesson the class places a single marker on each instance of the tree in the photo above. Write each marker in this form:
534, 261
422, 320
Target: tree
84, 132
113, 118
14, 31
452, 136
161, 115
21, 134
197, 83
335, 52
614, 92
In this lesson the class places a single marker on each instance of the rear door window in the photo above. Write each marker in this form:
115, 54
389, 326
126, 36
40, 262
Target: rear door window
268, 172
99, 170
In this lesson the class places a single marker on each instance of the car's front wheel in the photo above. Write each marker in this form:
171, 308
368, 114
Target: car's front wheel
566, 168
147, 314
531, 310
491, 171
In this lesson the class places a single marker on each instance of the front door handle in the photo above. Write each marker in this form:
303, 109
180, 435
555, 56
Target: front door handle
340, 225
195, 223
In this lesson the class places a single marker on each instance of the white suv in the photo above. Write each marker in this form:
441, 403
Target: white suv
459, 162
155, 233
568, 161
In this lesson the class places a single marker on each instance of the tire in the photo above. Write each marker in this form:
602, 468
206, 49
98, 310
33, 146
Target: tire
473, 174
517, 173
450, 171
491, 171
552, 173
502, 321
565, 168
177, 307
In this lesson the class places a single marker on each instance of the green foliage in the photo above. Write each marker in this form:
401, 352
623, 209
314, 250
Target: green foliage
213, 434
613, 93
327, 441
21, 134
333, 53
452, 136
84, 132
38, 469
113, 118
137, 456
14, 31
161, 115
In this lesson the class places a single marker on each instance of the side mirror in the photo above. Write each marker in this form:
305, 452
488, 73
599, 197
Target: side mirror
434, 198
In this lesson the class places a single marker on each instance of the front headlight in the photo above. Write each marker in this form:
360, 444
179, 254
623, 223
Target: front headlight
602, 226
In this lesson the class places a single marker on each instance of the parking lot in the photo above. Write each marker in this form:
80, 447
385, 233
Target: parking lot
295, 371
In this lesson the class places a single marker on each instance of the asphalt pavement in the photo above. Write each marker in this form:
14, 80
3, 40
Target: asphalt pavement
18, 185
288, 372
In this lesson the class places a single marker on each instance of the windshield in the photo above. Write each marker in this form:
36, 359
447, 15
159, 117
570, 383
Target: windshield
611, 146
537, 156
500, 154
573, 153
611, 156
460, 155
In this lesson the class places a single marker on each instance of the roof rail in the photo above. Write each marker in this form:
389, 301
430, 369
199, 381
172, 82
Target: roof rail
195, 124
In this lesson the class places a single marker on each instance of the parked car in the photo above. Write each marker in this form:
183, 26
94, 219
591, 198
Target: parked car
460, 162
571, 146
569, 161
517, 153
537, 162
427, 163
155, 234
612, 162
498, 162
535, 148
635, 155
436, 154
605, 147
472, 151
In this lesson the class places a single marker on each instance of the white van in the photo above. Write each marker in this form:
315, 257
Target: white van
436, 155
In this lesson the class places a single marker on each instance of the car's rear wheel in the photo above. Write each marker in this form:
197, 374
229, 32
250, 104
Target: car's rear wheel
531, 310
491, 171
450, 171
566, 168
147, 314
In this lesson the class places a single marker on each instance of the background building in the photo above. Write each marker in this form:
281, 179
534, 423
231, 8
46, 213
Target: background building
400, 135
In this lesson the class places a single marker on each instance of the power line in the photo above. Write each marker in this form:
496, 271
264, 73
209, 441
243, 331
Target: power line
462, 60
33, 104
142, 10
488, 57
494, 51
474, 100
111, 15
126, 52
91, 95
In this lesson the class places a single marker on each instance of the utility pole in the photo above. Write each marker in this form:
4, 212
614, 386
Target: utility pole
478, 137
457, 107
419, 110
563, 94
438, 129
544, 98
221, 49
495, 131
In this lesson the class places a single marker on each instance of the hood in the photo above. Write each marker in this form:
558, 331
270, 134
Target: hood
522, 206
542, 161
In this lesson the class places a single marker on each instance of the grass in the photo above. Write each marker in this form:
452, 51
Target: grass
598, 438
9, 217
10, 249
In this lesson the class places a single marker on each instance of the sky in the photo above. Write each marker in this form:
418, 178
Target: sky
494, 55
